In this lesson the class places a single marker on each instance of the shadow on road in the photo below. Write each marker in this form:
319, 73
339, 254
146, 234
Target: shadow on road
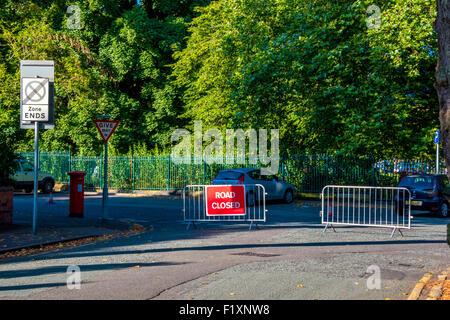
75, 253
24, 273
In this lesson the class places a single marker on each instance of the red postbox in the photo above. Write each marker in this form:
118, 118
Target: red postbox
76, 194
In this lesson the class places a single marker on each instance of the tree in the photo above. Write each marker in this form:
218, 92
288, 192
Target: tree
117, 63
316, 72
442, 84
8, 144
312, 69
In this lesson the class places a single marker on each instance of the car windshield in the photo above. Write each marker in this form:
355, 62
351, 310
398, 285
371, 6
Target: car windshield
418, 182
26, 166
228, 175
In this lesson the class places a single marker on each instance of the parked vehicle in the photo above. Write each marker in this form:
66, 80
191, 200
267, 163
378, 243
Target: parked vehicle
429, 192
276, 188
24, 178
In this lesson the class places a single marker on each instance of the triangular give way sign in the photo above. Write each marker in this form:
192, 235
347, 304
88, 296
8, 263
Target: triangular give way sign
106, 128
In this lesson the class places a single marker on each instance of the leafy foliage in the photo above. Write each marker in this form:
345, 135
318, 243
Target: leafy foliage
316, 72
117, 63
7, 155
312, 69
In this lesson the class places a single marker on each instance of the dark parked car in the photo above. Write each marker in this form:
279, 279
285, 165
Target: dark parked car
429, 192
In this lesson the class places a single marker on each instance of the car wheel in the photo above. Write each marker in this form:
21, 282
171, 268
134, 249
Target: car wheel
250, 199
443, 210
288, 196
48, 187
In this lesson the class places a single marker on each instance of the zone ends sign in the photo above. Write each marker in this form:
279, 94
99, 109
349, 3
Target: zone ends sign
225, 200
37, 79
35, 99
106, 128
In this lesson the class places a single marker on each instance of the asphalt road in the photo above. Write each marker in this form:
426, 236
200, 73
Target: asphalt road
287, 258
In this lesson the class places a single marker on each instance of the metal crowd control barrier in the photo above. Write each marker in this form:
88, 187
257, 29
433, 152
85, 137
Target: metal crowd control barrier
388, 207
195, 206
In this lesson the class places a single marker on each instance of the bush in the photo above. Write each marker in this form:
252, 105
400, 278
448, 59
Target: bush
7, 156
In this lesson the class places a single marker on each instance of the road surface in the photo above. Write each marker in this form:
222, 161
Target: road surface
287, 258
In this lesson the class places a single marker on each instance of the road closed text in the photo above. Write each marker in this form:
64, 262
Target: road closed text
225, 200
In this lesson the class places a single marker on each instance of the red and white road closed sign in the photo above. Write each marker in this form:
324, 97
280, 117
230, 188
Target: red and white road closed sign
225, 200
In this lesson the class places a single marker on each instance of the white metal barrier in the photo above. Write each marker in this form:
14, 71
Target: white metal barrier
195, 206
388, 207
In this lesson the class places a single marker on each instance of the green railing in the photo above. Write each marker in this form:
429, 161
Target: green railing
308, 173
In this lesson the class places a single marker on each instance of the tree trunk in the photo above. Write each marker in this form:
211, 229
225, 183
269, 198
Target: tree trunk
442, 28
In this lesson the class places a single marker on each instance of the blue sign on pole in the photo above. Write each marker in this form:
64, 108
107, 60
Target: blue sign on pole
436, 137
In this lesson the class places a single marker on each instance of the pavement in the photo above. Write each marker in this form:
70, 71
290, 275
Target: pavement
54, 224
287, 258
432, 287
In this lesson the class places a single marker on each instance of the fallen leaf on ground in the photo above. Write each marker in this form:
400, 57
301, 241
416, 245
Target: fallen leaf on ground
72, 243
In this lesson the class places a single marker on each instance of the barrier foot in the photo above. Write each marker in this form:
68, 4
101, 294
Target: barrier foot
189, 224
326, 227
251, 226
393, 232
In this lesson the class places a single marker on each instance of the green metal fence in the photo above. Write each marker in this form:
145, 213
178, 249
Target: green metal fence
308, 173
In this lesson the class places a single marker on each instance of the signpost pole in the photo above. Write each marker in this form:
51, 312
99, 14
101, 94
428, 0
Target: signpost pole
106, 128
37, 79
36, 175
105, 182
436, 142
437, 158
